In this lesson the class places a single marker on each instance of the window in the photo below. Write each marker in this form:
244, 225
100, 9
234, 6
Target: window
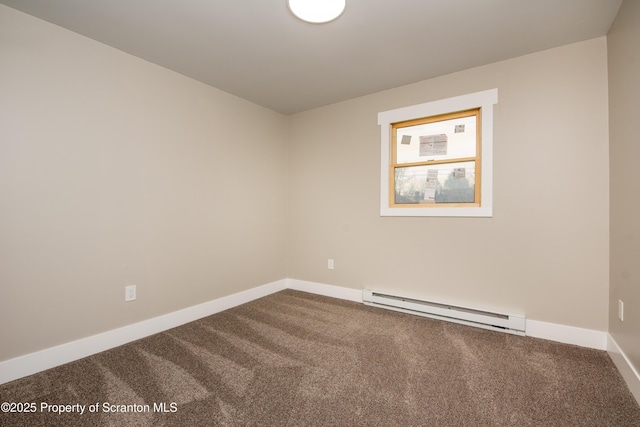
437, 158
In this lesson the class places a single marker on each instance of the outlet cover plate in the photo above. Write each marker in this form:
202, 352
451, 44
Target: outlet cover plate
130, 293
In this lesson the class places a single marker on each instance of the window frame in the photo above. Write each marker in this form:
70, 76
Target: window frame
484, 101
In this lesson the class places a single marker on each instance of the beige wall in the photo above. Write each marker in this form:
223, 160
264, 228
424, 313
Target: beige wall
545, 251
107, 160
624, 111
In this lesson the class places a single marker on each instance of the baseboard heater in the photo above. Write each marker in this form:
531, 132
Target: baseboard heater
508, 323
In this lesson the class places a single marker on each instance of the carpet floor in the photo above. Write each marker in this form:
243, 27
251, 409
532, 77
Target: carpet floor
297, 359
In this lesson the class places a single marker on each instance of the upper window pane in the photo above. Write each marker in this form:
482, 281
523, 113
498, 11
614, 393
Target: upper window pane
440, 140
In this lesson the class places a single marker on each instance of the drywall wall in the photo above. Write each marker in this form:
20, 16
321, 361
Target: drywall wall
544, 253
624, 109
114, 171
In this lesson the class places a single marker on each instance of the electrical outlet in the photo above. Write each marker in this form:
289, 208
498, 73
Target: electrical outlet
130, 293
621, 310
330, 264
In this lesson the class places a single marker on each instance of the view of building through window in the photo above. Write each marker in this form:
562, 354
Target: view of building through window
435, 159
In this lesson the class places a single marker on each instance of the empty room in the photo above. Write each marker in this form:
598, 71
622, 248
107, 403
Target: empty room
411, 212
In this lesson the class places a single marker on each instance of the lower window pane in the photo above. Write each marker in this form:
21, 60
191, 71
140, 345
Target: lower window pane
443, 183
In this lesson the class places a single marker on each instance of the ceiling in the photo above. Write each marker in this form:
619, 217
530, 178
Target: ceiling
257, 50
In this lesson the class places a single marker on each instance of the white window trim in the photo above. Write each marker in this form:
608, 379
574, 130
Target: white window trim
485, 100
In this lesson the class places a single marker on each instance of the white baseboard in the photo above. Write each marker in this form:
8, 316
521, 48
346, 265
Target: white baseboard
625, 367
51, 357
29, 364
326, 290
567, 334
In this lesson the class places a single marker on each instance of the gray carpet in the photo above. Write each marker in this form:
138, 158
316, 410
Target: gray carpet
297, 359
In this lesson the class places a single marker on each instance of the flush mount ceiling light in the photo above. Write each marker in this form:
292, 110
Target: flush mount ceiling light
317, 11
